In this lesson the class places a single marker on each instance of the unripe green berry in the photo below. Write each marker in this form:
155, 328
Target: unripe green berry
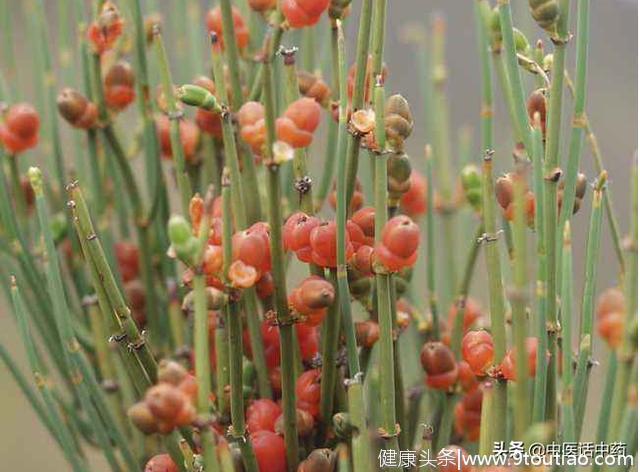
179, 230
471, 180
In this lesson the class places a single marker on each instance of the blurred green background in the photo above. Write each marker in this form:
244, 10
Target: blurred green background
611, 104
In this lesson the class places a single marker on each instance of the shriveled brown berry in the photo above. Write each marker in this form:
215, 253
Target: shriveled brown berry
367, 333
398, 121
312, 86
76, 109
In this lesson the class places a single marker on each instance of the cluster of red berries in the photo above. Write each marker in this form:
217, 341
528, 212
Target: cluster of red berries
215, 24
301, 13
610, 312
298, 123
106, 29
169, 404
19, 128
399, 244
312, 240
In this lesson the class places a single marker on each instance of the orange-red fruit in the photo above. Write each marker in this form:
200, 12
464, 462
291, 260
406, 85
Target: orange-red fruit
270, 451
316, 292
296, 234
414, 201
366, 219
308, 392
252, 127
242, 275
467, 415
477, 350
212, 263
300, 120
119, 83
537, 103
19, 130
399, 246
508, 365
252, 246
103, 33
189, 137
264, 286
76, 109
301, 13
323, 245
610, 310
367, 333
440, 365
466, 377
161, 463
262, 415
357, 199
472, 312
215, 24
262, 5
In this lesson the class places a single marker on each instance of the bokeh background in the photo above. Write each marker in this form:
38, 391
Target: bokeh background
611, 106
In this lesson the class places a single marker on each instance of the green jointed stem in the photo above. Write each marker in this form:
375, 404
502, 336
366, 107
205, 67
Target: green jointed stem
96, 256
232, 55
578, 121
513, 73
481, 10
358, 97
628, 351
287, 341
614, 226
431, 248
567, 406
540, 381
90, 396
588, 296
383, 284
49, 412
234, 333
519, 296
496, 293
442, 154
175, 115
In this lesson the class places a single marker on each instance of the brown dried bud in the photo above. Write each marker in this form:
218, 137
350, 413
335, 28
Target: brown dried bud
398, 175
141, 416
504, 190
537, 103
312, 86
76, 109
171, 372
151, 21
363, 121
436, 358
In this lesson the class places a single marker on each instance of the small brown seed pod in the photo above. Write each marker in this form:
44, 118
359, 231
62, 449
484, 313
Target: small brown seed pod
312, 86
142, 417
171, 372
367, 333
504, 190
398, 121
398, 175
545, 13
76, 109
316, 292
537, 103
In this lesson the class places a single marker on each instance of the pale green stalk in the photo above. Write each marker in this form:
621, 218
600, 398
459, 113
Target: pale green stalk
567, 407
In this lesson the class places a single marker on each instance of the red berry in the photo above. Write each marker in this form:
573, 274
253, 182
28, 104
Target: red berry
609, 301
440, 365
252, 247
119, 84
103, 33
472, 312
466, 377
323, 245
262, 5
212, 263
161, 463
477, 350
508, 365
262, 415
270, 451
215, 24
414, 201
19, 131
308, 391
365, 218
300, 120
367, 333
264, 286
401, 236
252, 126
301, 13
297, 235
189, 137
76, 109
611, 328
467, 415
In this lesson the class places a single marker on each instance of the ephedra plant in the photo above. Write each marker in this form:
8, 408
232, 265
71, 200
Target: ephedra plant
217, 269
